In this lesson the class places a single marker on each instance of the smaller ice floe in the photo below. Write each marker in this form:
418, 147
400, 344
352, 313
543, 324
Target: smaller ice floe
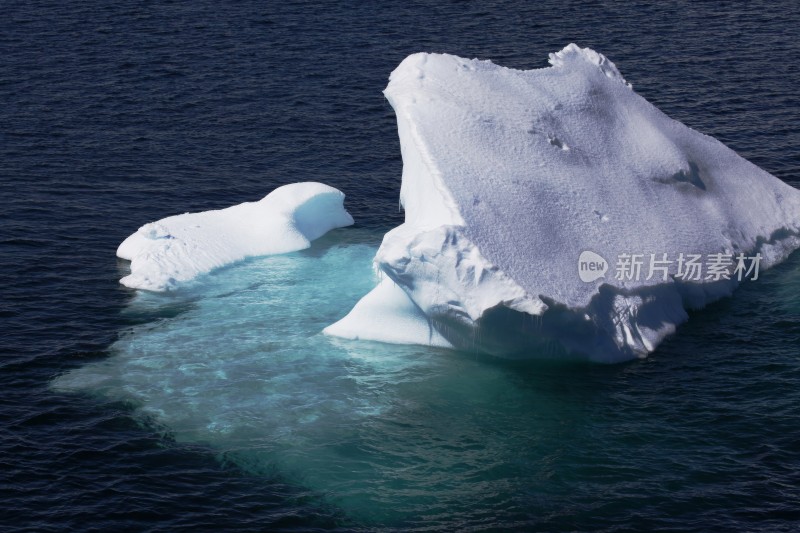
179, 248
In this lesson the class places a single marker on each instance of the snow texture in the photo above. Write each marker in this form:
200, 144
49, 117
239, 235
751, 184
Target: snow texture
178, 248
509, 176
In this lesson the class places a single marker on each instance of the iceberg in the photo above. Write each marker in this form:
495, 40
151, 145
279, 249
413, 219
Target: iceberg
513, 179
179, 248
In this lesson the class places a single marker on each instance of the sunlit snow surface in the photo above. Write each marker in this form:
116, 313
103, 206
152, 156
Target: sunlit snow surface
179, 248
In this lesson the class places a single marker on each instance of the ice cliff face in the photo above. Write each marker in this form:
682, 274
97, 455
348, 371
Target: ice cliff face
509, 176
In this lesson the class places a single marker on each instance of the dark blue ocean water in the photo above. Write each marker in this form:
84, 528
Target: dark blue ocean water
113, 114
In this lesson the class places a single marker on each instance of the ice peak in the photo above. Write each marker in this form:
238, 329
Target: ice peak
573, 53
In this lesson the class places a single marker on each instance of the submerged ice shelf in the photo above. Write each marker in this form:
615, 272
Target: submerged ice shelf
236, 363
509, 176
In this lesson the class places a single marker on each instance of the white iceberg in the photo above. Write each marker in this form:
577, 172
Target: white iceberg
179, 248
509, 176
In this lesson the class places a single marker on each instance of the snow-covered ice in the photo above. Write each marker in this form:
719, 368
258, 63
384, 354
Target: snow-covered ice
509, 176
392, 317
178, 248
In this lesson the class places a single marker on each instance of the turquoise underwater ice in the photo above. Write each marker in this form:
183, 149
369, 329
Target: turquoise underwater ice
388, 434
